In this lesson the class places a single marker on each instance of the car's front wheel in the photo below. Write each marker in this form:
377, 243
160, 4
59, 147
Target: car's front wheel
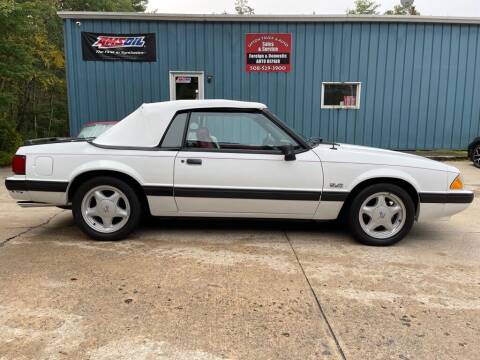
106, 208
476, 156
381, 215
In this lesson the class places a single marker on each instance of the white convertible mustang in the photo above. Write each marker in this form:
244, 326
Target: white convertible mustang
220, 158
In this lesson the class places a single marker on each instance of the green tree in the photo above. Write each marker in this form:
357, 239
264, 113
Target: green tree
364, 7
40, 105
33, 96
103, 5
403, 10
242, 8
10, 140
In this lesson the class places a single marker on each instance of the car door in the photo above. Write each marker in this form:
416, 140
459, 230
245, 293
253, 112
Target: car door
232, 163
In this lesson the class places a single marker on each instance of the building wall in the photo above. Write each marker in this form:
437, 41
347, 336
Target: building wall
420, 82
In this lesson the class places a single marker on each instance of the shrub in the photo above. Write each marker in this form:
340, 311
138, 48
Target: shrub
10, 140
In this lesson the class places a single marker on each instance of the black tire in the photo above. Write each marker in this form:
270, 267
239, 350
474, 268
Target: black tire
354, 212
133, 199
476, 150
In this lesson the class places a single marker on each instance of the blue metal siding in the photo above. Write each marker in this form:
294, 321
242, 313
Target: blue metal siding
420, 82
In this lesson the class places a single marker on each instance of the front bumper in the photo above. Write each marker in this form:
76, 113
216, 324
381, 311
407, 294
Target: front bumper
443, 205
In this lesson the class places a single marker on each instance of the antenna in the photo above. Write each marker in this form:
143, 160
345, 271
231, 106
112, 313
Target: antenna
335, 129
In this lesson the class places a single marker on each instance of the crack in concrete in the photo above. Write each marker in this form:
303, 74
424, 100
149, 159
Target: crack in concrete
4, 242
317, 301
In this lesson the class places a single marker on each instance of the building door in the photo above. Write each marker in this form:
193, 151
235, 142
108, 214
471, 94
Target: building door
186, 85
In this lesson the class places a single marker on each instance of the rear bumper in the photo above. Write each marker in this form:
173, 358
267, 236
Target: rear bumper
35, 185
37, 191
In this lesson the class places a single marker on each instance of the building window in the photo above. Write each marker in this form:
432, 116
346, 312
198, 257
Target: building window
341, 95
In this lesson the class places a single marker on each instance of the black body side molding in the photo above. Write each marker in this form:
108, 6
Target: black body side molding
221, 193
446, 198
36, 185
248, 194
334, 195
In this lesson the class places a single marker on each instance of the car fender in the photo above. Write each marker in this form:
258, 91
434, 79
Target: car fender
385, 172
105, 165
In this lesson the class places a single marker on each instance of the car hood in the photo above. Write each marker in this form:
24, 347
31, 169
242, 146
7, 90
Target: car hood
347, 153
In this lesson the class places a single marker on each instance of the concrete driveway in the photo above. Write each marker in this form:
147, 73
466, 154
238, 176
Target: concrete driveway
186, 289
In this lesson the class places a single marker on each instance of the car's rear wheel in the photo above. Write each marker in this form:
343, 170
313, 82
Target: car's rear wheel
381, 215
476, 156
106, 208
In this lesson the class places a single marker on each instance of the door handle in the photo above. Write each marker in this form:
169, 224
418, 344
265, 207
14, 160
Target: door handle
194, 161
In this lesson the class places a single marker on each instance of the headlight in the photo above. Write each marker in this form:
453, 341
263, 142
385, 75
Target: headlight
457, 183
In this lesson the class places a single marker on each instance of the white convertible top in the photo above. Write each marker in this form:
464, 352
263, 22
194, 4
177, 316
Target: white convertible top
145, 126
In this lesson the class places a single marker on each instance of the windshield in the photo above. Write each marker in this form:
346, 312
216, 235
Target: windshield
312, 142
92, 131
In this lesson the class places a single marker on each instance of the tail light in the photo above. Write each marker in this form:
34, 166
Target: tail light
19, 164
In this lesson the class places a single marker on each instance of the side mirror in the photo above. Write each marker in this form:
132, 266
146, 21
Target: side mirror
289, 152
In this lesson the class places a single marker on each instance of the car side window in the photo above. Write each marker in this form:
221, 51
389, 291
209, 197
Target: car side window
235, 131
174, 136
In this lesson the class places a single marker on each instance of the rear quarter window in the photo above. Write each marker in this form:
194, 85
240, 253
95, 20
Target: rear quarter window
174, 136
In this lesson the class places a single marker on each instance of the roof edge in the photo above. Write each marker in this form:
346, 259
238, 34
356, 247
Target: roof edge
93, 15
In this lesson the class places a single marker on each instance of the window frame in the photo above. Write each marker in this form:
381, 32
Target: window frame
303, 146
358, 95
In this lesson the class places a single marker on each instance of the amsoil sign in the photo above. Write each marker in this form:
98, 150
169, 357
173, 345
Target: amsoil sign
268, 52
128, 47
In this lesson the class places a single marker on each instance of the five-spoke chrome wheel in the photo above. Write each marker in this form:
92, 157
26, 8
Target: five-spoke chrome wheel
382, 215
105, 209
